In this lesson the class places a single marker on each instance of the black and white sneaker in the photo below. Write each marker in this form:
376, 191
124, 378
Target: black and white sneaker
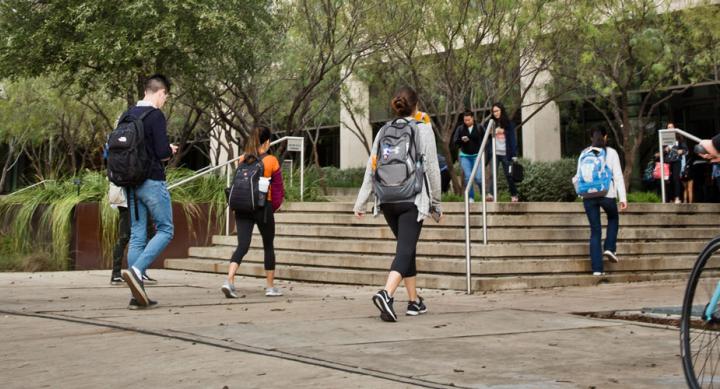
116, 279
416, 307
133, 305
148, 280
384, 303
611, 256
133, 279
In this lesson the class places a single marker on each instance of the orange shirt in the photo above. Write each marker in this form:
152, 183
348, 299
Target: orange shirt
271, 165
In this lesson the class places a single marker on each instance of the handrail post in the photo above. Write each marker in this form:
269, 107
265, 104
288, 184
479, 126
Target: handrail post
480, 158
484, 203
662, 165
494, 165
468, 265
227, 207
302, 168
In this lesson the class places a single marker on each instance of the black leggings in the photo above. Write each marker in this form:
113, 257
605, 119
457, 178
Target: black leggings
244, 223
402, 219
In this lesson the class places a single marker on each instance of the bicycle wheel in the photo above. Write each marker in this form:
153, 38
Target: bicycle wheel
700, 335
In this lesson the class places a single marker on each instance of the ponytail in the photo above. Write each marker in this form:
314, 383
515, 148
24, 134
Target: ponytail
257, 137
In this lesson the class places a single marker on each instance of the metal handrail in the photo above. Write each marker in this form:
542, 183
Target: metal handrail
209, 169
662, 156
471, 179
28, 187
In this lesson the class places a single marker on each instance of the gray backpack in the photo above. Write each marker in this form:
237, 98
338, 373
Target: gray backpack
399, 171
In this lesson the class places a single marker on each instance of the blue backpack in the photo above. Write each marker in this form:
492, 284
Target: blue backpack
594, 176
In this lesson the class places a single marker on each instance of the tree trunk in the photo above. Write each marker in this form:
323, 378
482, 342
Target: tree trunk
7, 166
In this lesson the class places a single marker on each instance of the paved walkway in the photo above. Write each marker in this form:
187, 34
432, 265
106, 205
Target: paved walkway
72, 330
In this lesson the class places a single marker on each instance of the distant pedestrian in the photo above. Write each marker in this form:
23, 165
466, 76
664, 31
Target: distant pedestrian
445, 177
468, 137
406, 196
599, 180
505, 147
117, 200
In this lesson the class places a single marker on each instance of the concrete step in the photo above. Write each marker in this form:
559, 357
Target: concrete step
509, 220
495, 235
443, 265
457, 249
365, 277
550, 207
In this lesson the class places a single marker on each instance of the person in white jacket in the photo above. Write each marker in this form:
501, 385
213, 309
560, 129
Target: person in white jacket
608, 203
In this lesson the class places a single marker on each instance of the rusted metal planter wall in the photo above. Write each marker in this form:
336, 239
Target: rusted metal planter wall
86, 249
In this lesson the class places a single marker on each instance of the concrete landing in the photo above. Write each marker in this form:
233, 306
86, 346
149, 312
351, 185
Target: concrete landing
72, 330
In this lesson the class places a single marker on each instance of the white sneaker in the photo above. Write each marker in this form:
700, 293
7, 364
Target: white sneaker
598, 273
229, 290
273, 292
611, 256
472, 200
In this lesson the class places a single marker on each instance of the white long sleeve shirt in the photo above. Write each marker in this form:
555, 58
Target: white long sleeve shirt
617, 186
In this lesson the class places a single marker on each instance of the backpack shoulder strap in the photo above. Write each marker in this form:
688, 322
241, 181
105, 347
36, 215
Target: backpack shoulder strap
148, 112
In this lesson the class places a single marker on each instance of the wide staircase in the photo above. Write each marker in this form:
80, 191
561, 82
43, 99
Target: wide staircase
531, 245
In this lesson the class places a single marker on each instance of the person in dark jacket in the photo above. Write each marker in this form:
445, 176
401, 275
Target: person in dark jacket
468, 137
505, 146
151, 198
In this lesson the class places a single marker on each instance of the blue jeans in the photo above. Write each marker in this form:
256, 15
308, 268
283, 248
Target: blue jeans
466, 163
592, 210
154, 197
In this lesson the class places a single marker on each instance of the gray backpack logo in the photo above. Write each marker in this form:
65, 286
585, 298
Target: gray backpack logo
399, 170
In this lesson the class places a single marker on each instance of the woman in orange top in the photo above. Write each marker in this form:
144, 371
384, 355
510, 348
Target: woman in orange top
258, 143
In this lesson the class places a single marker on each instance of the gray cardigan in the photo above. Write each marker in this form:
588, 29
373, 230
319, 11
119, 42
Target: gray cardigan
423, 202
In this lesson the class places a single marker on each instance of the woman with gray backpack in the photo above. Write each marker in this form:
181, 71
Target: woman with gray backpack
404, 176
599, 181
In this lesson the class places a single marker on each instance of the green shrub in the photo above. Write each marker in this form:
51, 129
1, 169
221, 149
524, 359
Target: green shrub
345, 178
547, 181
643, 197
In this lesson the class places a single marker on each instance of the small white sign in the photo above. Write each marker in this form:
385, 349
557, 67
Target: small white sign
295, 144
668, 138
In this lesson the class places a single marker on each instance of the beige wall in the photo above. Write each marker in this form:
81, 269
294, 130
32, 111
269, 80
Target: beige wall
356, 97
541, 133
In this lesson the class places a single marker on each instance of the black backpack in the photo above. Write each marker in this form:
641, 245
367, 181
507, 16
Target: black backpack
517, 171
128, 162
244, 195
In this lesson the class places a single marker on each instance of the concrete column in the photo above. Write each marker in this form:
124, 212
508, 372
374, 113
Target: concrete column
354, 123
541, 134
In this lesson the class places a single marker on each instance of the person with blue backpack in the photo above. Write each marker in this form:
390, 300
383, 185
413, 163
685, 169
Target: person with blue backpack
404, 175
599, 181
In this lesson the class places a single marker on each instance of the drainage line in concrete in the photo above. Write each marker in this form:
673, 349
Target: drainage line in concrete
249, 349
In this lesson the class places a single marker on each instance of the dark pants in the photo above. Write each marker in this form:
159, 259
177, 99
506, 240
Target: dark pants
505, 163
676, 180
402, 220
592, 210
445, 180
123, 237
244, 223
